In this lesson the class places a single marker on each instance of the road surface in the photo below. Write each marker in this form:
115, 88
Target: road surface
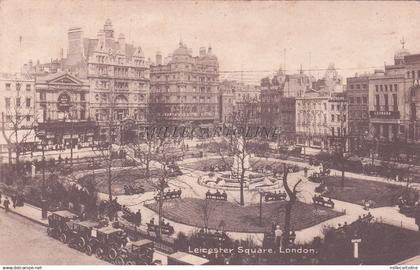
24, 242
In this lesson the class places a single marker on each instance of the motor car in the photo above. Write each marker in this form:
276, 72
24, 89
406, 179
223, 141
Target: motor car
106, 242
136, 253
57, 224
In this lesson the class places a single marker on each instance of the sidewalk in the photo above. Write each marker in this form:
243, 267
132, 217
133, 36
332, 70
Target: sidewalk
30, 212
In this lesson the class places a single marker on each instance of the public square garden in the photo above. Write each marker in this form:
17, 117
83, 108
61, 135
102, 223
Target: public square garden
206, 193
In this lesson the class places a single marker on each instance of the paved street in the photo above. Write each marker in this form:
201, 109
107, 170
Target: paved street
24, 242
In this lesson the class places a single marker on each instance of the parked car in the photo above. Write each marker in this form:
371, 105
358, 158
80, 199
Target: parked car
106, 242
136, 253
57, 224
81, 232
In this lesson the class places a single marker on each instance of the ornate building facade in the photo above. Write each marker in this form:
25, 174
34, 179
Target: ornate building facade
185, 88
62, 106
394, 103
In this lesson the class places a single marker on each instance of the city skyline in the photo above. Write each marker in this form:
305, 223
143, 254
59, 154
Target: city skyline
341, 33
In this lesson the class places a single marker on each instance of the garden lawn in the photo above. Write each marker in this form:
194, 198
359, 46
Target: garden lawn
242, 219
129, 176
357, 190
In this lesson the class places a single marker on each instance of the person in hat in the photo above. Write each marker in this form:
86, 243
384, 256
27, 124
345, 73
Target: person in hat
6, 204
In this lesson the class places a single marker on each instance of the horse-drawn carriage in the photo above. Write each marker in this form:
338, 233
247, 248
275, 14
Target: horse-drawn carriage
220, 196
175, 194
274, 196
319, 200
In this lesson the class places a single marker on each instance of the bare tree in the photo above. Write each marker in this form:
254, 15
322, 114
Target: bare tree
14, 130
239, 142
292, 194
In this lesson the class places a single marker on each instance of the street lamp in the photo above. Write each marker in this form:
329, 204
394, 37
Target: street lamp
43, 192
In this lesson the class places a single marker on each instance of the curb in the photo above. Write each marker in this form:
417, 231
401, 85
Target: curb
28, 218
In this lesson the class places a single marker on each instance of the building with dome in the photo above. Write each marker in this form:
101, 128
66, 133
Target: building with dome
394, 102
184, 88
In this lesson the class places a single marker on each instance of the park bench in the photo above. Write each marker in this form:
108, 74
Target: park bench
131, 216
270, 196
319, 200
175, 194
315, 177
130, 190
166, 228
216, 196
212, 235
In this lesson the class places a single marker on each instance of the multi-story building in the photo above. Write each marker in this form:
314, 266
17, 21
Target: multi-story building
185, 89
117, 75
321, 114
226, 100
17, 110
358, 110
62, 106
278, 102
393, 102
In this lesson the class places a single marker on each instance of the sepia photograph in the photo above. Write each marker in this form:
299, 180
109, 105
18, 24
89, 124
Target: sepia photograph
209, 133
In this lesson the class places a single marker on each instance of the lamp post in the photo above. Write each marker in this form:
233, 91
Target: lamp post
43, 191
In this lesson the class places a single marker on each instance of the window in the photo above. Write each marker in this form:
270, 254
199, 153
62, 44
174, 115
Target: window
18, 87
332, 107
358, 100
351, 100
364, 100
7, 101
42, 96
377, 88
28, 87
28, 102
390, 87
386, 87
381, 87
332, 117
351, 86
7, 86
396, 87
377, 103
344, 118
395, 101
357, 86
82, 96
386, 102
364, 86
28, 118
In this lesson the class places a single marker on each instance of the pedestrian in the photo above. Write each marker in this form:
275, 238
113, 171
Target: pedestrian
278, 233
6, 204
0, 197
14, 201
138, 218
305, 171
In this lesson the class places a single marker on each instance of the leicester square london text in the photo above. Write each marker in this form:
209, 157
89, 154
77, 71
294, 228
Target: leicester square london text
249, 251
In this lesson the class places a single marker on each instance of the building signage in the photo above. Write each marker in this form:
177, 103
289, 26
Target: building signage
385, 114
63, 102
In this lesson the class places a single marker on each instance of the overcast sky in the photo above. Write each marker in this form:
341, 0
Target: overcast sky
249, 36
